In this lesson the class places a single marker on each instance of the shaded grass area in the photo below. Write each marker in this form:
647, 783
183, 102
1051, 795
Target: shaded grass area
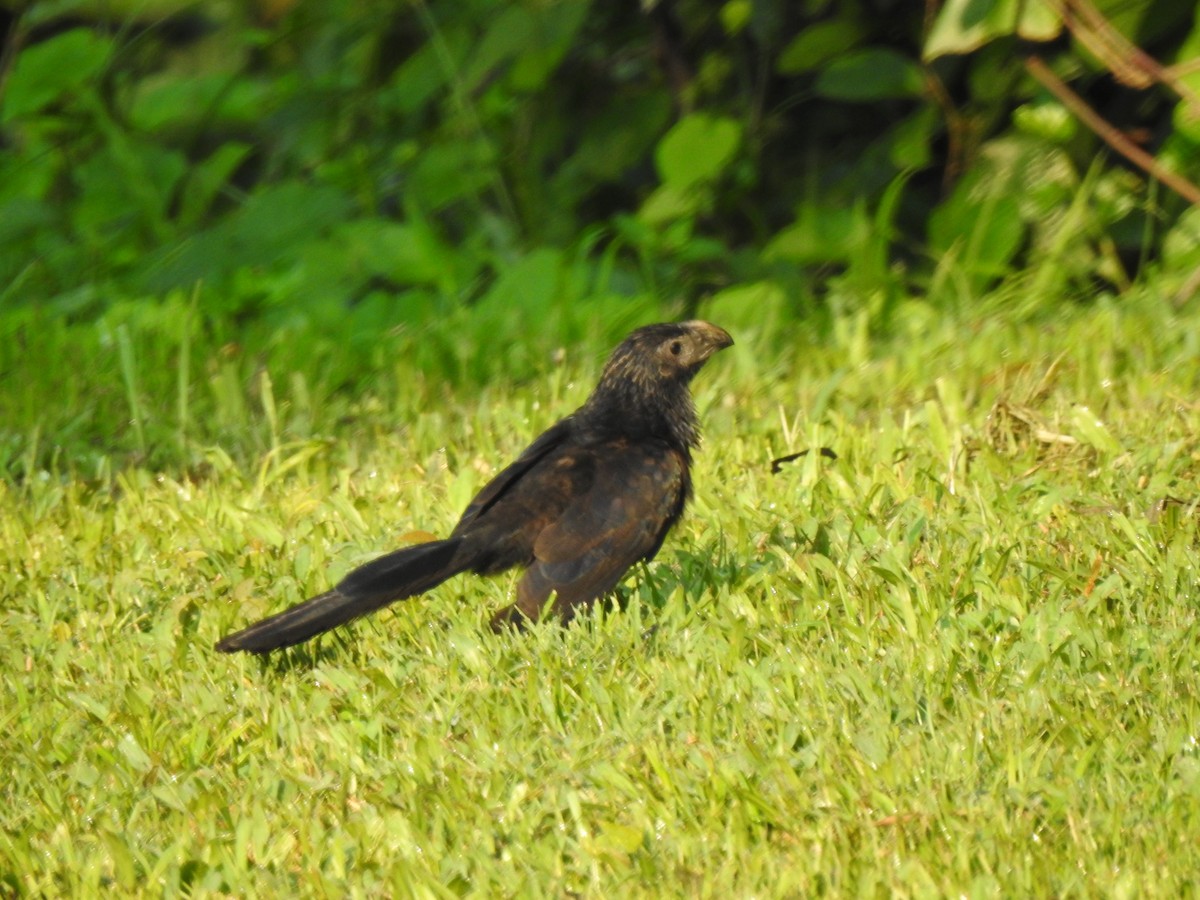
961, 658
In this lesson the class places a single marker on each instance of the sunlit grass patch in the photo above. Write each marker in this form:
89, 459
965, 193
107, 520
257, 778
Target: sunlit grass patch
959, 658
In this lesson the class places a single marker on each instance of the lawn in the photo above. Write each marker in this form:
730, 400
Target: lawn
962, 658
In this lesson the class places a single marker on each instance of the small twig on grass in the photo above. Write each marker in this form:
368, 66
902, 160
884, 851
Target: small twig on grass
777, 464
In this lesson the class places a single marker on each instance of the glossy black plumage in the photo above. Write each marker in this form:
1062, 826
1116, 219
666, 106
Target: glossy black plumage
596, 493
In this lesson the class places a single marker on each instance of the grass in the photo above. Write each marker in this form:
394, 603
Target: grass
963, 658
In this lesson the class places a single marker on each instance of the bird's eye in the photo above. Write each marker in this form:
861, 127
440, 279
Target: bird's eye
676, 348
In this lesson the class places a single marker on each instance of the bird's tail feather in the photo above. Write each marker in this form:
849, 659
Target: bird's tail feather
395, 576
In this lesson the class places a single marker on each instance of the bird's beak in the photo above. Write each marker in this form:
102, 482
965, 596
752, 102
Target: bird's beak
716, 338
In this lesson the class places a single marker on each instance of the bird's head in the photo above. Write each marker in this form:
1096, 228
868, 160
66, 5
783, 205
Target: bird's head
643, 391
667, 352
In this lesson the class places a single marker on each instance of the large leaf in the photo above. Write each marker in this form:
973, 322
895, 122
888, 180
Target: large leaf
206, 178
822, 234
425, 73
278, 221
618, 136
980, 224
55, 68
125, 185
405, 253
869, 75
529, 286
816, 45
668, 203
697, 150
746, 307
446, 171
530, 39
182, 101
965, 25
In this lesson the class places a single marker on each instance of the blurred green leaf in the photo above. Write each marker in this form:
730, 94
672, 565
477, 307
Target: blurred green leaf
1038, 21
965, 25
735, 15
271, 225
181, 101
417, 81
670, 202
618, 137
816, 45
867, 75
453, 170
820, 234
57, 67
508, 34
910, 141
554, 28
1046, 119
759, 306
697, 149
529, 39
1182, 244
126, 185
206, 179
980, 224
406, 253
529, 286
19, 217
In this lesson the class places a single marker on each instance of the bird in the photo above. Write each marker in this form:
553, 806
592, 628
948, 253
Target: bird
595, 494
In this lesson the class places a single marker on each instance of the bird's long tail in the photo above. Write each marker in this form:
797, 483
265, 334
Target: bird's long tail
395, 576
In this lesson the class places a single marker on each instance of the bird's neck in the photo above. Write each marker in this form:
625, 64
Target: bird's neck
639, 410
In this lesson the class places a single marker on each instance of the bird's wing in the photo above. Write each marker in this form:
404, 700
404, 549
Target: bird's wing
636, 493
550, 439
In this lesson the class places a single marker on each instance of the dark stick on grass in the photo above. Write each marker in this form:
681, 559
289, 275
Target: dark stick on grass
778, 463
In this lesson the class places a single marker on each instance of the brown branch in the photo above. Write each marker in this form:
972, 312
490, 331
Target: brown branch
1110, 135
1182, 69
1128, 62
956, 126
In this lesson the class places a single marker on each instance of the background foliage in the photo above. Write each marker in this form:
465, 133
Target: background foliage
391, 160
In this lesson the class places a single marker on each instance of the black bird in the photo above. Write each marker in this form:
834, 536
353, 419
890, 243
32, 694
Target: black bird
593, 495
